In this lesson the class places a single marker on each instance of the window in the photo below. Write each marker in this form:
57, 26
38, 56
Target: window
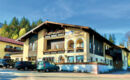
79, 58
71, 44
18, 48
91, 59
70, 59
61, 59
101, 60
107, 61
8, 46
91, 43
49, 59
17, 59
80, 43
33, 43
96, 59
98, 47
55, 44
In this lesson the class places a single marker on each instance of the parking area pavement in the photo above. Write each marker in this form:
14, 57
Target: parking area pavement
12, 74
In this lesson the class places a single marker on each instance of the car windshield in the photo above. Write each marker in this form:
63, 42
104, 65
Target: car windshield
18, 62
40, 62
2, 60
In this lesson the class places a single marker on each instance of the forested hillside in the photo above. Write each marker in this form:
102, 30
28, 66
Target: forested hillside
17, 28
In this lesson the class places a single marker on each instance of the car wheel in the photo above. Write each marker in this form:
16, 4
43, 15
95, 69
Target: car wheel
11, 67
26, 68
4, 67
47, 70
18, 69
57, 70
39, 70
7, 66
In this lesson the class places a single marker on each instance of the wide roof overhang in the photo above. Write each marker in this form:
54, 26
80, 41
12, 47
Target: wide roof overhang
43, 25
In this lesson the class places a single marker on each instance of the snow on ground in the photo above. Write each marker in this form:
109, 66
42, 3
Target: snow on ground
9, 74
13, 74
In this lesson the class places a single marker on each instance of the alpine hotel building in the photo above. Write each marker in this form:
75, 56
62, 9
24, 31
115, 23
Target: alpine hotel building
9, 48
73, 48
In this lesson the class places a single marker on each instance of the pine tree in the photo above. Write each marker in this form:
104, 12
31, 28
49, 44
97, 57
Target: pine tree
16, 29
105, 36
112, 38
14, 22
5, 23
122, 44
23, 22
39, 21
33, 25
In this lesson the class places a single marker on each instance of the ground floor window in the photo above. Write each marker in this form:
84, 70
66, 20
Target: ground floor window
61, 59
49, 59
109, 62
70, 59
17, 59
79, 58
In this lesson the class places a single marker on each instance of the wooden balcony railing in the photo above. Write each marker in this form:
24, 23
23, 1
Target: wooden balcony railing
79, 49
70, 50
56, 51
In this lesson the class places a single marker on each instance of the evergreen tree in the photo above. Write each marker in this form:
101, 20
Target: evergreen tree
14, 22
23, 22
39, 21
16, 29
112, 38
122, 43
105, 35
5, 23
33, 25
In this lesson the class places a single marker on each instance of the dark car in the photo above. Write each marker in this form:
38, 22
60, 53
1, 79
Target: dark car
25, 65
46, 66
7, 63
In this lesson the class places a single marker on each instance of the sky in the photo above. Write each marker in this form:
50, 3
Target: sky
105, 16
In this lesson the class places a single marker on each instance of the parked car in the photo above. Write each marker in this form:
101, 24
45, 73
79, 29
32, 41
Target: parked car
7, 63
25, 65
46, 66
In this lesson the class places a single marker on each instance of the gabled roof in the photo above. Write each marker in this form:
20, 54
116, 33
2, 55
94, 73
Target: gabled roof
85, 28
4, 39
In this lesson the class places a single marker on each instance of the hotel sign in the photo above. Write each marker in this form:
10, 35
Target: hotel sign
70, 34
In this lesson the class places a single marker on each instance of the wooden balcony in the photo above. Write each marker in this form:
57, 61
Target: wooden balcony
56, 51
79, 49
70, 50
12, 50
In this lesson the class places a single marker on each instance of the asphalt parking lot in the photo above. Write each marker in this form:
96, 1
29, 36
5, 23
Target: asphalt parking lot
12, 74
